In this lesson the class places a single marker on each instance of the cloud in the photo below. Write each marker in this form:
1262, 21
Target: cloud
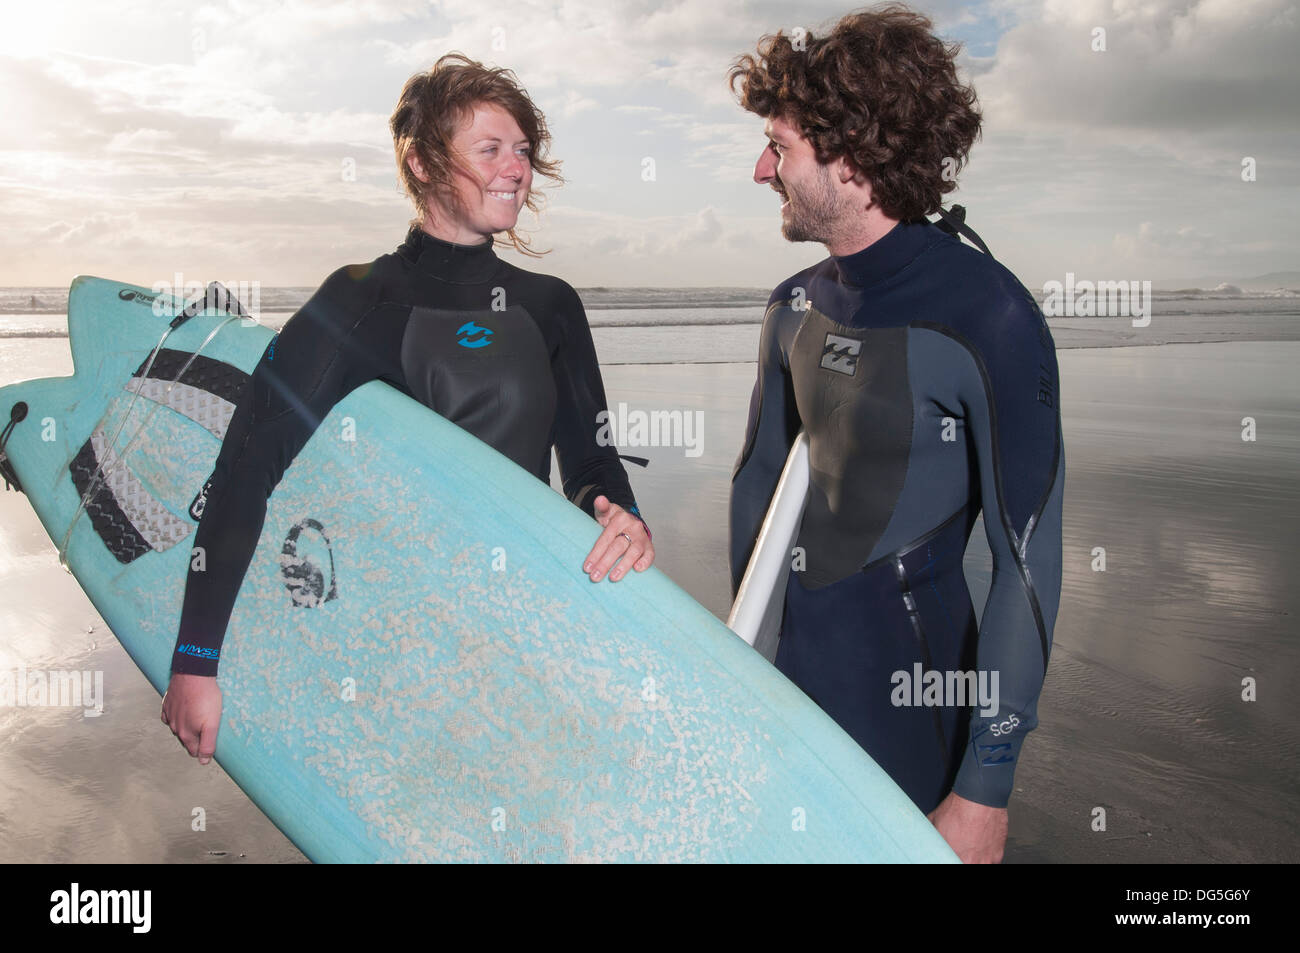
1154, 241
684, 46
93, 228
706, 229
266, 121
1196, 68
575, 103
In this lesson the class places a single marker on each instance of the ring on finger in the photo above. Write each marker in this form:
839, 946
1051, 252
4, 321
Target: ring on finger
627, 537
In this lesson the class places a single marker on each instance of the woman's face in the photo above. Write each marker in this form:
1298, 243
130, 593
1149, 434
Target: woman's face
494, 149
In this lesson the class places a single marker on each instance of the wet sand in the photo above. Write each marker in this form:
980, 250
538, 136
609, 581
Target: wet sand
1141, 713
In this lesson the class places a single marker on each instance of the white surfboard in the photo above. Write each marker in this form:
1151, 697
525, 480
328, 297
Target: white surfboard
760, 602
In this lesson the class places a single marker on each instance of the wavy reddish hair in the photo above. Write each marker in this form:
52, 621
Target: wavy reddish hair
880, 90
432, 107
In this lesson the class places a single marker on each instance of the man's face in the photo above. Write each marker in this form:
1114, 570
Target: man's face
812, 206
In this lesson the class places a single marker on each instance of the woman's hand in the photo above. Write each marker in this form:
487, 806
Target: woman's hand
625, 541
192, 709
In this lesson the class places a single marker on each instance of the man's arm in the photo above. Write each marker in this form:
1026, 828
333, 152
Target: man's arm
1010, 395
773, 425
1014, 420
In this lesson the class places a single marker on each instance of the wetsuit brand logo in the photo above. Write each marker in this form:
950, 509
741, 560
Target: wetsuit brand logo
197, 651
1005, 727
472, 335
996, 754
945, 689
841, 354
131, 907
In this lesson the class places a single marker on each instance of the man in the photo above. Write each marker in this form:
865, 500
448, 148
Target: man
925, 378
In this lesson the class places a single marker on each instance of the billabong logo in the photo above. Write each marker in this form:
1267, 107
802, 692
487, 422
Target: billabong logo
841, 354
991, 750
470, 332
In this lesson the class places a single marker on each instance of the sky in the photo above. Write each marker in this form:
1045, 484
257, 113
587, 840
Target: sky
247, 140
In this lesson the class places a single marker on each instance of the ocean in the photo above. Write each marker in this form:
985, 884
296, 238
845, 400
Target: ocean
721, 325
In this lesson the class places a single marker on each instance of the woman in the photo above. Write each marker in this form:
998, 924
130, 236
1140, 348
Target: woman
504, 353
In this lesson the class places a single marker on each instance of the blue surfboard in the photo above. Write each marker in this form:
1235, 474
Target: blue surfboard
416, 668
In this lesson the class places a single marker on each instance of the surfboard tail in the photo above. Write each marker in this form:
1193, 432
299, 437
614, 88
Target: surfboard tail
756, 614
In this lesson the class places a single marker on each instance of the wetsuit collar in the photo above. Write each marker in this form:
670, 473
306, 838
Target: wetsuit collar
462, 264
887, 255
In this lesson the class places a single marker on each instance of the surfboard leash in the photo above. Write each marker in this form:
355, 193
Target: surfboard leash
17, 413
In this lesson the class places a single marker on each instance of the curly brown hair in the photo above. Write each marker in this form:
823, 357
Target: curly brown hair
881, 90
430, 109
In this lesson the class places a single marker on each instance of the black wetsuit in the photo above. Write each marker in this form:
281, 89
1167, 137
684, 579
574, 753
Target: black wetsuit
926, 379
504, 353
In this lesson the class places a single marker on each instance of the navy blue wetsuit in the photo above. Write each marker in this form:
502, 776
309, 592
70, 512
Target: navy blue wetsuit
925, 377
504, 353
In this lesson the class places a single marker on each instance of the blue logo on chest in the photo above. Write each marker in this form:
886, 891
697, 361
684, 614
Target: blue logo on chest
472, 335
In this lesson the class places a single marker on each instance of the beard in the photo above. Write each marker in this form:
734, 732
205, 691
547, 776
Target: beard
813, 210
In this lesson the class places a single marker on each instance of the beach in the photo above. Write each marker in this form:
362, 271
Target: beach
1142, 714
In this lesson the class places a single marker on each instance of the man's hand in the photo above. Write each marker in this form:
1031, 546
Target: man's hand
977, 834
192, 709
625, 538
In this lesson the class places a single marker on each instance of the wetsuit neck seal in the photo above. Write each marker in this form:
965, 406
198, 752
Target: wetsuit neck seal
448, 261
886, 256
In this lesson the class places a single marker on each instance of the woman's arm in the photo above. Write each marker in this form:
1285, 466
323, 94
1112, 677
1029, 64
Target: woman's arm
592, 473
337, 341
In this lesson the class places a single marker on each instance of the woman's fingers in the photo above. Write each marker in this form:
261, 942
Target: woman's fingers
639, 555
623, 542
609, 548
629, 558
647, 558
